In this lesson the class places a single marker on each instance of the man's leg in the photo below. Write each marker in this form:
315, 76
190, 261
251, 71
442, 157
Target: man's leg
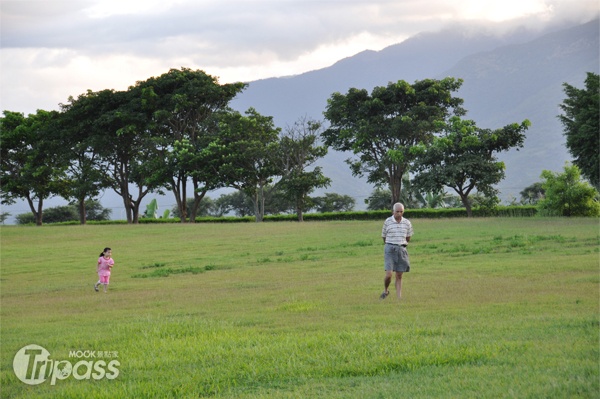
398, 284
386, 284
387, 280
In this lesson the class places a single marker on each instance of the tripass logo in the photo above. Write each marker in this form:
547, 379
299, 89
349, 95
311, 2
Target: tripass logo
33, 366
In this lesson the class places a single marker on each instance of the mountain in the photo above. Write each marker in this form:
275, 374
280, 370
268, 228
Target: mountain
507, 79
525, 81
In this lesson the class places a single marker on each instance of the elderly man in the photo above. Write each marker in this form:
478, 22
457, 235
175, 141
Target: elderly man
396, 234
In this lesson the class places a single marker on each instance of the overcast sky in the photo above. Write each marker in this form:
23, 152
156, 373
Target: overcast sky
51, 50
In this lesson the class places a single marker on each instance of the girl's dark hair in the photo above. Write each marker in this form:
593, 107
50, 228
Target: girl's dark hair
105, 249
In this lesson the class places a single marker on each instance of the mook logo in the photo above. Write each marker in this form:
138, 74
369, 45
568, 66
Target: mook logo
33, 366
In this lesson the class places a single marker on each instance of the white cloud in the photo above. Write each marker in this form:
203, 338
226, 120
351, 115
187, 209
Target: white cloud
502, 10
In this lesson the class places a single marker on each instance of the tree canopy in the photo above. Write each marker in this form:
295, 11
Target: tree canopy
581, 121
463, 159
298, 150
243, 154
31, 165
381, 128
182, 105
567, 195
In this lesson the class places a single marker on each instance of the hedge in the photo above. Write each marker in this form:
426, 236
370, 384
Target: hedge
501, 211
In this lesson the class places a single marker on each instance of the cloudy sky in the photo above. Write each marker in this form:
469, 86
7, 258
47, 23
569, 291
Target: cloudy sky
51, 49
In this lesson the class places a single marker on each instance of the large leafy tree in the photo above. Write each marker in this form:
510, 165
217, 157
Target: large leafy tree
567, 195
298, 150
244, 155
463, 158
333, 202
81, 149
128, 153
182, 104
382, 127
532, 194
581, 121
31, 167
236, 202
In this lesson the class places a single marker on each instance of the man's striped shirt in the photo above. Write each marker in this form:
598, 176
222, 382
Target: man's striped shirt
396, 233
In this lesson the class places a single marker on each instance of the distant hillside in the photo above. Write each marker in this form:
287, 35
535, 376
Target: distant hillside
516, 82
507, 79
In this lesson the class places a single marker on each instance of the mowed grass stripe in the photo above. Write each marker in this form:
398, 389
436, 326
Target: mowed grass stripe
491, 308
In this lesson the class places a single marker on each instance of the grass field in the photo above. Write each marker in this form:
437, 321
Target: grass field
492, 308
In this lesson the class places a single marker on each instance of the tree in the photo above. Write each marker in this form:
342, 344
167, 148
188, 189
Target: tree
77, 133
381, 128
532, 194
379, 199
333, 202
208, 207
236, 202
463, 159
581, 123
128, 153
4, 216
244, 154
30, 166
439, 199
567, 195
298, 150
95, 211
410, 196
182, 104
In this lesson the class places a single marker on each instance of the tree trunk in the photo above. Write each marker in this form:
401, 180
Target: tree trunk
135, 209
465, 200
395, 183
82, 215
37, 213
135, 205
40, 213
178, 189
259, 205
183, 200
126, 202
198, 197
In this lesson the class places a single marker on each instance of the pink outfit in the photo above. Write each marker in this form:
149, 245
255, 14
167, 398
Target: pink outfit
103, 268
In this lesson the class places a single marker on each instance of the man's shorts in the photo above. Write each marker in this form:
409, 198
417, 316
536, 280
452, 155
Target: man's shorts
396, 258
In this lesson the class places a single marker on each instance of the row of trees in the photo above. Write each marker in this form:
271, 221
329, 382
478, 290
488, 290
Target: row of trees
162, 134
559, 194
175, 130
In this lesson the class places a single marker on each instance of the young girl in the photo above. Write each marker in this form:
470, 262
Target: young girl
105, 263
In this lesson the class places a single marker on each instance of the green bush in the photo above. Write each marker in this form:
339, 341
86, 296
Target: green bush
424, 213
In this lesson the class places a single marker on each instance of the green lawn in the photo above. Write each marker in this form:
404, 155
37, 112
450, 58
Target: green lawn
492, 308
